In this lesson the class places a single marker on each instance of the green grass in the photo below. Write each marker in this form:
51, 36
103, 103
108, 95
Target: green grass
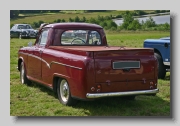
66, 14
46, 17
133, 39
36, 100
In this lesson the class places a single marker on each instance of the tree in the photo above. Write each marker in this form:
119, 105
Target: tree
35, 25
59, 20
100, 18
140, 12
111, 24
92, 20
127, 19
71, 20
54, 11
150, 23
63, 20
14, 13
103, 24
83, 19
157, 11
41, 22
77, 19
166, 26
134, 25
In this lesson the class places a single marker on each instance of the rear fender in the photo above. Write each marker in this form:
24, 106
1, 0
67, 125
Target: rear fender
19, 63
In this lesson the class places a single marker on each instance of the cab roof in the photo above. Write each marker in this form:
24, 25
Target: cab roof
73, 25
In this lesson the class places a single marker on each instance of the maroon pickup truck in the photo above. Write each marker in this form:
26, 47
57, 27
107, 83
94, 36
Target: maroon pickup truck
75, 61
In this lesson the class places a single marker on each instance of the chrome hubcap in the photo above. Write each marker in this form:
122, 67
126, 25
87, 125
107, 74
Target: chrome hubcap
64, 90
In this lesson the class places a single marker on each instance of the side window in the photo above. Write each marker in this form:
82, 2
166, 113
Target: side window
94, 38
27, 27
43, 38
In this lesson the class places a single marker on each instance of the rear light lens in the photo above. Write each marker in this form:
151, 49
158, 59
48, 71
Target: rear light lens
93, 89
151, 83
98, 88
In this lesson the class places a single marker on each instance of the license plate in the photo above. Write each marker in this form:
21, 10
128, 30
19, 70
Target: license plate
126, 64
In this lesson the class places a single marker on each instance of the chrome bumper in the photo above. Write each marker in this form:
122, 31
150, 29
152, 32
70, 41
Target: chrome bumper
141, 92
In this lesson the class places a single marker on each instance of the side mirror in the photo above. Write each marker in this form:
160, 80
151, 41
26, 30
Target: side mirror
29, 44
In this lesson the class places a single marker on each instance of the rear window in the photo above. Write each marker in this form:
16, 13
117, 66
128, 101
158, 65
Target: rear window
80, 37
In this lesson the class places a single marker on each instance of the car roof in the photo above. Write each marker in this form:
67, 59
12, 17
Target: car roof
73, 25
21, 24
165, 38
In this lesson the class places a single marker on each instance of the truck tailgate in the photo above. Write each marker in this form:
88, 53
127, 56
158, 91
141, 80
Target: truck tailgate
124, 65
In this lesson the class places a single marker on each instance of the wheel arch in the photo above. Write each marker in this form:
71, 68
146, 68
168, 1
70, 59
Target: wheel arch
56, 78
157, 51
20, 60
55, 82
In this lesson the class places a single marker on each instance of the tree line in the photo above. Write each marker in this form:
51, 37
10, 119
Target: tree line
129, 22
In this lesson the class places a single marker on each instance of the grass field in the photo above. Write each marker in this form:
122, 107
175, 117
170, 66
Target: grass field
37, 100
50, 17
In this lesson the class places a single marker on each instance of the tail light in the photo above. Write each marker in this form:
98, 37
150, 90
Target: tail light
98, 88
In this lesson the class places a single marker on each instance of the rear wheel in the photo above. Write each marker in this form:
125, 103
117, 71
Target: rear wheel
23, 78
161, 67
64, 93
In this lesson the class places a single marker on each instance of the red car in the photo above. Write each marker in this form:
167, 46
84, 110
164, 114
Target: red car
75, 61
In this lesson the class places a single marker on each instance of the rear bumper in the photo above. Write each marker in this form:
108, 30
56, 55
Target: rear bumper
112, 94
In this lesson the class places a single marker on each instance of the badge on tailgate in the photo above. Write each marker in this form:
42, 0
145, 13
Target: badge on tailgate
126, 64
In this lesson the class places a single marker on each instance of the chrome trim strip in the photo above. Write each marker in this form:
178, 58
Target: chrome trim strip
49, 65
34, 56
167, 63
142, 92
65, 65
40, 59
22, 53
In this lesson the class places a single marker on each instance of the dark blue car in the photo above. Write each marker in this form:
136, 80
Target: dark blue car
162, 53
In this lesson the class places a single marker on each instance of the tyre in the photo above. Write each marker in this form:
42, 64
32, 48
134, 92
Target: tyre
64, 93
161, 67
20, 36
23, 77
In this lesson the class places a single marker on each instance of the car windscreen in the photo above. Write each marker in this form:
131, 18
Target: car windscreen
24, 27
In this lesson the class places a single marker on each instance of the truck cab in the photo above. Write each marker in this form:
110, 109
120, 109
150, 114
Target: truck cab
161, 48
